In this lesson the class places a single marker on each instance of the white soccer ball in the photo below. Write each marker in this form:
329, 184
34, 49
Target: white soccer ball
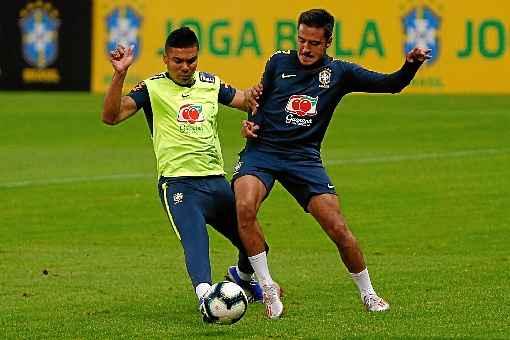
224, 303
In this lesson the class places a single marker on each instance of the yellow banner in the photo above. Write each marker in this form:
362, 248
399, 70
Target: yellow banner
470, 39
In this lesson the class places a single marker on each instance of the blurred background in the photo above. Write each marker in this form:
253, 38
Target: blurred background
63, 45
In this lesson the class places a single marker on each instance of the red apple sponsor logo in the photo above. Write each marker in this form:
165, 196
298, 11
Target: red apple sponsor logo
302, 105
191, 113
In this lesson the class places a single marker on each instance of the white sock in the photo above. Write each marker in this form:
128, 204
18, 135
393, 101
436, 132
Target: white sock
242, 275
259, 264
201, 289
362, 280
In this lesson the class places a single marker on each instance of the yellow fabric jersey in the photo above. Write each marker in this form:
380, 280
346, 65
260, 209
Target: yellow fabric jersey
184, 126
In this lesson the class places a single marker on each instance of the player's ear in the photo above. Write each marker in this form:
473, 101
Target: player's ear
328, 42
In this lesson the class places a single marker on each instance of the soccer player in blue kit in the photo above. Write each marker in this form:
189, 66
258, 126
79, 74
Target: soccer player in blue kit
301, 90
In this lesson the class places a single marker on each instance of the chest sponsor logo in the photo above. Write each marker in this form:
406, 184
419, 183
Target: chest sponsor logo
302, 106
190, 113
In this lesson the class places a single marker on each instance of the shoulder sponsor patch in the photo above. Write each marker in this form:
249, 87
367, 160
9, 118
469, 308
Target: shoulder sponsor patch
206, 77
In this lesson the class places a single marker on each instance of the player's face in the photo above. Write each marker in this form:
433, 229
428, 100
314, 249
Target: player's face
312, 44
181, 64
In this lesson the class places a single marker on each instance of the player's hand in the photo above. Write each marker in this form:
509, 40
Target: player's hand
252, 96
249, 129
121, 58
418, 54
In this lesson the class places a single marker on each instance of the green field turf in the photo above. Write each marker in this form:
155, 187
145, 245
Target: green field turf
86, 250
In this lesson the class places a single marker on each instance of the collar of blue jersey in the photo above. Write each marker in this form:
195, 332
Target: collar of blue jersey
321, 62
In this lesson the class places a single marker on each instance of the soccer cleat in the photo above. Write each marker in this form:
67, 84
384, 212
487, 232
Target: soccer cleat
274, 306
251, 288
200, 303
201, 309
374, 303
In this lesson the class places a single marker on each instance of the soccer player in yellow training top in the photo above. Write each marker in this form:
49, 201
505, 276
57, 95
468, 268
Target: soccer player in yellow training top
181, 107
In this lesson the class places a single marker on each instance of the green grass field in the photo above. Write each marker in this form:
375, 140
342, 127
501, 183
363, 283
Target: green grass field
86, 250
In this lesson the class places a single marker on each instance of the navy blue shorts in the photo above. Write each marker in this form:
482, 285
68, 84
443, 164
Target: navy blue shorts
193, 202
302, 177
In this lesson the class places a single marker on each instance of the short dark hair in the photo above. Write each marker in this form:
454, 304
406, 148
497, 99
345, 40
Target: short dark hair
319, 18
181, 38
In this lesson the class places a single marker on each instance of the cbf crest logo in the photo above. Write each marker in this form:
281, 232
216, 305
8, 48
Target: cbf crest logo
178, 198
191, 113
421, 27
325, 78
123, 25
39, 23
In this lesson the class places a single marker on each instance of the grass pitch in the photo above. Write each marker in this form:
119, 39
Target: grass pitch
86, 250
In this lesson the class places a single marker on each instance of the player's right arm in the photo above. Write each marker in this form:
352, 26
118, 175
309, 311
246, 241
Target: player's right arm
116, 107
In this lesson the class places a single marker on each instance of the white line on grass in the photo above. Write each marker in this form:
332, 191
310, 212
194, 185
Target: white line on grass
417, 157
65, 180
368, 160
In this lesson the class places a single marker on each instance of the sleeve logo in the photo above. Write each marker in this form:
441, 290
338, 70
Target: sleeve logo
206, 77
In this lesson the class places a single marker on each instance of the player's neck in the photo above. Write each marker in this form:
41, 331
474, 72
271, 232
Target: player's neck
179, 84
319, 63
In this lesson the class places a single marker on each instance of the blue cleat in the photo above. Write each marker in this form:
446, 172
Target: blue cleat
251, 288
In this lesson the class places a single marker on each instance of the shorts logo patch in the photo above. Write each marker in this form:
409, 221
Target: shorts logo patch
237, 167
191, 113
302, 105
178, 197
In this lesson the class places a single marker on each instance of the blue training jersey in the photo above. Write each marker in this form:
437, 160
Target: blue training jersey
298, 101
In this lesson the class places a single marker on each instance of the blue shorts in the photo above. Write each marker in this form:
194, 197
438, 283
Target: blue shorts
193, 202
302, 177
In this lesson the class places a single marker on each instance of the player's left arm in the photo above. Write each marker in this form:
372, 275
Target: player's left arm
244, 100
247, 100
360, 79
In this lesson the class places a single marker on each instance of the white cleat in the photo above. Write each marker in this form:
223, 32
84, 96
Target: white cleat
274, 306
374, 303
